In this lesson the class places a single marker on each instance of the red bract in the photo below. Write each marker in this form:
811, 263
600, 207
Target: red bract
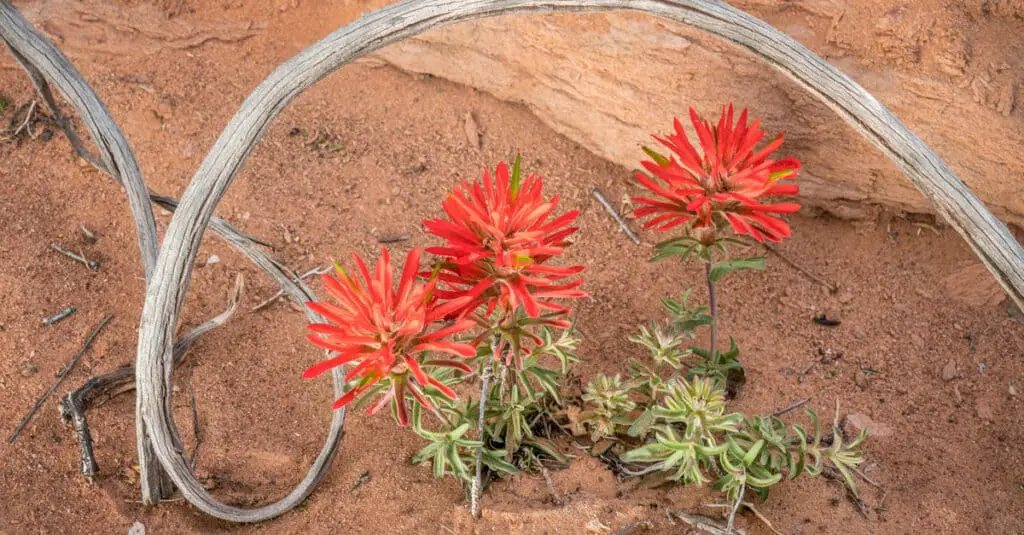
386, 332
727, 178
498, 239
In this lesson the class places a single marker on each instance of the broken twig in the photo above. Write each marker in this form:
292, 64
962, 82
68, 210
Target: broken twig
735, 508
60, 378
195, 422
757, 514
831, 286
393, 239
91, 264
90, 235
98, 390
270, 300
58, 316
363, 477
615, 215
25, 124
702, 522
792, 407
555, 497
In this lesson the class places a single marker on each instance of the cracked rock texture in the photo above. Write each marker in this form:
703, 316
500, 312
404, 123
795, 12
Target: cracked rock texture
950, 69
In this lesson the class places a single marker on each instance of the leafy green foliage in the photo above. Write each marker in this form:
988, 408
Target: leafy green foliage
723, 268
672, 414
610, 406
687, 247
517, 399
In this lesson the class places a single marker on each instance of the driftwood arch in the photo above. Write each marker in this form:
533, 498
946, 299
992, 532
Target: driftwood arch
169, 273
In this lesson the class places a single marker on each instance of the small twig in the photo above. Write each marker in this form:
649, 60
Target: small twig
280, 293
58, 316
628, 528
485, 391
831, 287
764, 520
701, 522
615, 215
89, 234
196, 430
865, 477
555, 498
644, 472
28, 119
834, 475
448, 529
752, 509
60, 378
102, 388
363, 477
91, 264
393, 239
791, 408
800, 378
735, 508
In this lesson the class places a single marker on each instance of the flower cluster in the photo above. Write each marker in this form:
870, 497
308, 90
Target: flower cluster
499, 238
727, 180
386, 331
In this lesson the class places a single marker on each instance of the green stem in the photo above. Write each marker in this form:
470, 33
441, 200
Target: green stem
711, 310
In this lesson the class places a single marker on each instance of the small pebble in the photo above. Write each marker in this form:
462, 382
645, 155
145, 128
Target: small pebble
949, 371
214, 259
984, 410
861, 379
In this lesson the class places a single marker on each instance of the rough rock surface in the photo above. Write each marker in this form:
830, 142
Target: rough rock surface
950, 69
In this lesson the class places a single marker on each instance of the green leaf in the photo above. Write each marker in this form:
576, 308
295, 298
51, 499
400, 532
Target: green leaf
721, 269
658, 158
751, 455
642, 424
515, 178
494, 461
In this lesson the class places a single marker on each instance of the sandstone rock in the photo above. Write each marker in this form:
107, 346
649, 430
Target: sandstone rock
609, 80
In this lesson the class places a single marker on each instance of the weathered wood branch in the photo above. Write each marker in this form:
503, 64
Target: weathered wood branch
989, 238
117, 160
100, 389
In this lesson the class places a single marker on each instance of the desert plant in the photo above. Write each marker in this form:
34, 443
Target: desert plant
679, 424
489, 309
485, 310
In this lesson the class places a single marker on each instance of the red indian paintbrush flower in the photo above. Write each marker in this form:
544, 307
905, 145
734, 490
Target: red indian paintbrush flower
727, 178
499, 239
385, 332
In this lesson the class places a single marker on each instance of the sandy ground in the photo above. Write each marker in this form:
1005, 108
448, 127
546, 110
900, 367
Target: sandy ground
912, 300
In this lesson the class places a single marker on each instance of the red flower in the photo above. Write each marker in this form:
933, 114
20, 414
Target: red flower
385, 331
728, 178
499, 239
